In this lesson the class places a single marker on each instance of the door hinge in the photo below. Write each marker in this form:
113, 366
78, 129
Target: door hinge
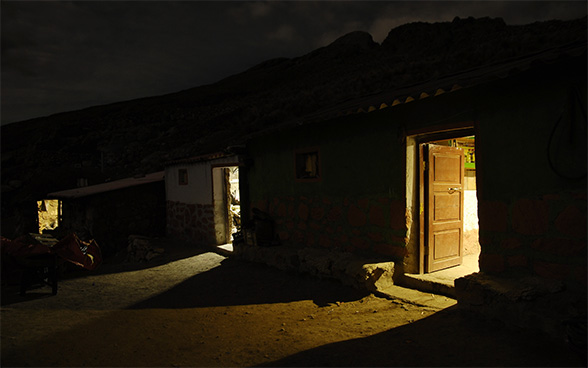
424, 165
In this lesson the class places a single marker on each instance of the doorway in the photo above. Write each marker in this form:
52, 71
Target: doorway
227, 203
48, 214
450, 216
455, 221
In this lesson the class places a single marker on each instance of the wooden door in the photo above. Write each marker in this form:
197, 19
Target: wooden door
444, 177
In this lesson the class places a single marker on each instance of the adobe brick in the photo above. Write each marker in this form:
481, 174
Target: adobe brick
559, 246
581, 275
325, 241
284, 235
262, 205
551, 197
359, 243
376, 216
491, 263
572, 222
518, 260
356, 217
493, 215
397, 215
303, 211
282, 210
363, 203
335, 213
551, 270
317, 213
511, 243
290, 210
315, 226
391, 250
376, 237
530, 217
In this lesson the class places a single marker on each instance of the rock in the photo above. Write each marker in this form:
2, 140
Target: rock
142, 249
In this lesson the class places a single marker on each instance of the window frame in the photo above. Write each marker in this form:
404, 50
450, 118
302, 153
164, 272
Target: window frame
303, 152
183, 176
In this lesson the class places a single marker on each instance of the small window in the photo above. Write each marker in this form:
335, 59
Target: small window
307, 165
183, 177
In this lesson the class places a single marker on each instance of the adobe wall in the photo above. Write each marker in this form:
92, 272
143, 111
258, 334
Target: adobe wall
358, 203
532, 220
532, 212
361, 225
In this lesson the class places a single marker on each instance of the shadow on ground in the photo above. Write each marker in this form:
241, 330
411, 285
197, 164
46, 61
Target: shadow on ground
237, 282
451, 337
182, 326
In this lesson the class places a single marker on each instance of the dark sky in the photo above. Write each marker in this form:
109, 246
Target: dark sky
60, 56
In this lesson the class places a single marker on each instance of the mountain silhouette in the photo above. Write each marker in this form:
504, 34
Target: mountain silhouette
139, 136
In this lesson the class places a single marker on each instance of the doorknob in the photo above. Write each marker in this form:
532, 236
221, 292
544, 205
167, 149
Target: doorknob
453, 189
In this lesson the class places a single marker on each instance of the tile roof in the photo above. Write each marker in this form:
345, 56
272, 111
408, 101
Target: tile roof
446, 84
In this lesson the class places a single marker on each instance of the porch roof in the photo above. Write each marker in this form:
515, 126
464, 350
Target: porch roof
107, 187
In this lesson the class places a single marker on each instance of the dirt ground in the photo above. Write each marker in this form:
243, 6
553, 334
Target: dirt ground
197, 308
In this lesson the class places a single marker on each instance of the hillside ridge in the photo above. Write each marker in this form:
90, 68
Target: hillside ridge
127, 138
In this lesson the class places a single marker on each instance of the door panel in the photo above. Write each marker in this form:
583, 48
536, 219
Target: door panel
444, 207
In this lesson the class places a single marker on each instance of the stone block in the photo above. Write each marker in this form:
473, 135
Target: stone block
529, 302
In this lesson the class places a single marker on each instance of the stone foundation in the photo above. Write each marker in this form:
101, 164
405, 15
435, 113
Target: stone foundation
375, 225
366, 274
531, 302
193, 223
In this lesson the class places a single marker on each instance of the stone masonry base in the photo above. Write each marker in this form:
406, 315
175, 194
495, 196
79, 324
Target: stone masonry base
531, 303
373, 275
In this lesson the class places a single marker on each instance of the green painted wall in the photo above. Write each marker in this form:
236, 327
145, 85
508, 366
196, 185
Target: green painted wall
532, 221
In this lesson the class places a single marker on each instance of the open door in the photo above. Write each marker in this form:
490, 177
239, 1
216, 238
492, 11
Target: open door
443, 174
226, 202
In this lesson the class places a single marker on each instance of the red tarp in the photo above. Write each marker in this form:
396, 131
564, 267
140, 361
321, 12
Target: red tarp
70, 248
